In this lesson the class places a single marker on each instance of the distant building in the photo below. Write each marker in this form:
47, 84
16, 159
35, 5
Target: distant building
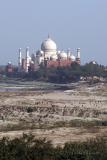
9, 67
47, 56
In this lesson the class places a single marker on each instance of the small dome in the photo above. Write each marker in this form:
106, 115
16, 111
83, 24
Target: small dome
58, 52
54, 57
73, 58
93, 62
48, 45
32, 62
39, 53
9, 62
63, 55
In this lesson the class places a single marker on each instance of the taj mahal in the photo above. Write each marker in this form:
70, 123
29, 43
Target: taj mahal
47, 56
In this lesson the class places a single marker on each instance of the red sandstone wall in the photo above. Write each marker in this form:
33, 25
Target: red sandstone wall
51, 63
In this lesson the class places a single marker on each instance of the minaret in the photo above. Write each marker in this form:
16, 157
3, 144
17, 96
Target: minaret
78, 53
78, 56
68, 53
49, 36
27, 59
19, 60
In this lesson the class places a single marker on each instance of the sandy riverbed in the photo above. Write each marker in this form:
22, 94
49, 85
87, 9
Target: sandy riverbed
20, 109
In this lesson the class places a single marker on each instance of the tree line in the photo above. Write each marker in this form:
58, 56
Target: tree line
28, 147
67, 74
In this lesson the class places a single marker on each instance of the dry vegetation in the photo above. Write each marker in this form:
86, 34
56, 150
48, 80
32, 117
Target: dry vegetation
75, 114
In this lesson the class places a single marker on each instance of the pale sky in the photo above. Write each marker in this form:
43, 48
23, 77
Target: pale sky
71, 24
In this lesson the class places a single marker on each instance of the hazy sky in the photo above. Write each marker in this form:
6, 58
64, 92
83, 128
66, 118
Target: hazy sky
71, 23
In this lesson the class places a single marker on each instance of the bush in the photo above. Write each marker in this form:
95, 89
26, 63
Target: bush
29, 148
29, 110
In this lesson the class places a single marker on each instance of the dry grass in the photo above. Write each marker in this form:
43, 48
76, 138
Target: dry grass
83, 109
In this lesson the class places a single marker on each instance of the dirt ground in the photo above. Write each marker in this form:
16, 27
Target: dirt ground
72, 112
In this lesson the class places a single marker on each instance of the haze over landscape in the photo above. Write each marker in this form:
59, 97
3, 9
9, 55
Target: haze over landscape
71, 23
53, 80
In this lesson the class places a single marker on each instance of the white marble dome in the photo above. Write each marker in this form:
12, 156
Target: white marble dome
73, 57
48, 45
39, 53
9, 63
63, 55
32, 62
54, 57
